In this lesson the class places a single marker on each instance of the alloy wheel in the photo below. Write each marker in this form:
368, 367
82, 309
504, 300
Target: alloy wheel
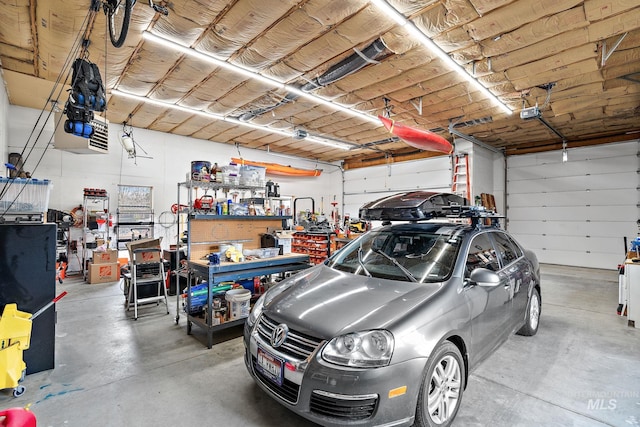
534, 311
444, 390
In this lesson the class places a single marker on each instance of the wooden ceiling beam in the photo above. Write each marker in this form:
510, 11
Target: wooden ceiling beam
528, 149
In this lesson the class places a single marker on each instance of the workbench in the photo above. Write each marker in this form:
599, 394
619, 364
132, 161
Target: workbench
233, 271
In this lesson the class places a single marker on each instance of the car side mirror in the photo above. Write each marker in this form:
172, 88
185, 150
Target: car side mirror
484, 277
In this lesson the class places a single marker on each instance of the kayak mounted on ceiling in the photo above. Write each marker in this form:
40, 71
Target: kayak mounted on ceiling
418, 138
278, 169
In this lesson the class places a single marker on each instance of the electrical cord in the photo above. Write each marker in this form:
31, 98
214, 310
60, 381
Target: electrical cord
76, 46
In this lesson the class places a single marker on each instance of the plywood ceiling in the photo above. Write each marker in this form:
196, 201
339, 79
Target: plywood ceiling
578, 60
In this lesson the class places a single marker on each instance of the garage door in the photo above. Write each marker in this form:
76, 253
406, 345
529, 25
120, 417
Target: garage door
575, 213
367, 184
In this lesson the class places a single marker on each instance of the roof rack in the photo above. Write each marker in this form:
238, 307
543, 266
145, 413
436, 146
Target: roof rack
479, 215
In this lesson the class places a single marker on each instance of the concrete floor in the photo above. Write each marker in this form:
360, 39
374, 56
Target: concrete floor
581, 369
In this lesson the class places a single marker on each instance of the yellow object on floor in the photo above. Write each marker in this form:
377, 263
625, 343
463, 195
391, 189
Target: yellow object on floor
15, 337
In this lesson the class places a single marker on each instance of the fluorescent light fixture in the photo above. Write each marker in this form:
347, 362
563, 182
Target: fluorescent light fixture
390, 11
258, 127
212, 59
256, 76
329, 142
416, 33
289, 134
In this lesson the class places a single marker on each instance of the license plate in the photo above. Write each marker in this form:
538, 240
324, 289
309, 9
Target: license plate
270, 365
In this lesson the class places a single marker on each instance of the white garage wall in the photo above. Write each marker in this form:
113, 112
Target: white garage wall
172, 156
575, 213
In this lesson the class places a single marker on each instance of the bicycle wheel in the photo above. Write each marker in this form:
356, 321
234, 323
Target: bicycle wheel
118, 16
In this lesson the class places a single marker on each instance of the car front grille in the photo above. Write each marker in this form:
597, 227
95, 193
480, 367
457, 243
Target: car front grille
347, 408
287, 392
297, 345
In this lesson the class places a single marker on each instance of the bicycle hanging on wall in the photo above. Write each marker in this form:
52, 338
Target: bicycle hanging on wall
119, 15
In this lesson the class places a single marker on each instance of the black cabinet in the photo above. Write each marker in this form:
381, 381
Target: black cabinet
28, 278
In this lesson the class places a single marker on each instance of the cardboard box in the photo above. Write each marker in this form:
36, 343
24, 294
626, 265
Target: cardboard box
105, 257
103, 273
145, 256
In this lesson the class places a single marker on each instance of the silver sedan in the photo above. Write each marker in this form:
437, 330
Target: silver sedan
386, 331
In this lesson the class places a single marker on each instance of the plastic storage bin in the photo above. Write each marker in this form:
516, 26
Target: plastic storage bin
231, 174
25, 195
15, 337
252, 175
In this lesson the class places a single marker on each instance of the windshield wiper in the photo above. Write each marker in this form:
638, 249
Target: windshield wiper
397, 264
361, 262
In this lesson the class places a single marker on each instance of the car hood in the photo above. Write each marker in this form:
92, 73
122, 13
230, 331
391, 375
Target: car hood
324, 302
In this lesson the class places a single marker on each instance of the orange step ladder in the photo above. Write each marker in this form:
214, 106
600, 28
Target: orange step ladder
461, 178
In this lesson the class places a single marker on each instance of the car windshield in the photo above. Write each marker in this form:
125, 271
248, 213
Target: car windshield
424, 253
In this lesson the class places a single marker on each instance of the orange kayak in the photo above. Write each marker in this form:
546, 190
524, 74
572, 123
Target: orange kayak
278, 169
418, 138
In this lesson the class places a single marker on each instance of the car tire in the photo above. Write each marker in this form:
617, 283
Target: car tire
442, 387
533, 315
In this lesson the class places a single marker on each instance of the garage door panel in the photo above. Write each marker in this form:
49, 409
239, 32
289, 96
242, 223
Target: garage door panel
441, 163
579, 259
572, 243
569, 198
573, 168
571, 228
623, 149
397, 183
576, 213
610, 181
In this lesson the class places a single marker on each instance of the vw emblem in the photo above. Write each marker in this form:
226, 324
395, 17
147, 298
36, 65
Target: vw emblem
279, 334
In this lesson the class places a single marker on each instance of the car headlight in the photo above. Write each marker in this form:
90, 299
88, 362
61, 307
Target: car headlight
256, 310
367, 349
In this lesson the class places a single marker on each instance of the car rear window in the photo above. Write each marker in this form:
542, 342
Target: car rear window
509, 251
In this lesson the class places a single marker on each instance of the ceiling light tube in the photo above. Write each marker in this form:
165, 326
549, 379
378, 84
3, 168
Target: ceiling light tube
256, 76
390, 11
328, 142
166, 104
211, 59
259, 127
288, 134
416, 33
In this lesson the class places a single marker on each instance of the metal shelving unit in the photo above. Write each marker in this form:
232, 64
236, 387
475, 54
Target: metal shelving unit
95, 223
205, 229
188, 213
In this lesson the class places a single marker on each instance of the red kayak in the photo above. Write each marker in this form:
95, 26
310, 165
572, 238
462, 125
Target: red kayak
418, 138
